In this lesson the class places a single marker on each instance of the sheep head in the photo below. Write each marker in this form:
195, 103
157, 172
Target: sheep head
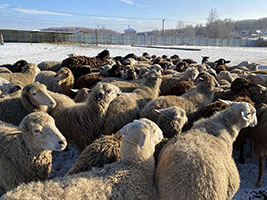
206, 81
141, 137
40, 133
171, 120
104, 93
63, 74
245, 113
35, 97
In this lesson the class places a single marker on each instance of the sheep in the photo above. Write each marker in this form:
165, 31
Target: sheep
88, 80
49, 66
243, 87
61, 82
205, 59
34, 97
81, 123
5, 70
180, 88
82, 95
3, 81
225, 75
199, 163
259, 140
25, 77
127, 107
181, 66
131, 178
11, 89
80, 65
195, 98
16, 67
106, 149
26, 150
257, 79
169, 81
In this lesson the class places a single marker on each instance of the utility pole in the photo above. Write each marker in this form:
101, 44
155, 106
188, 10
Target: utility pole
163, 31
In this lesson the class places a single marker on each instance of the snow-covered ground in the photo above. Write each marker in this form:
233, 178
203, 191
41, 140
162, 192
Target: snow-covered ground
36, 53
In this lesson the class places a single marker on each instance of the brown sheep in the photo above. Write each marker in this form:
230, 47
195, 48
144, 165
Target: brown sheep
87, 81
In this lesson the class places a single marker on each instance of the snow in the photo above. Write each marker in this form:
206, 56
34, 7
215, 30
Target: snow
62, 161
36, 53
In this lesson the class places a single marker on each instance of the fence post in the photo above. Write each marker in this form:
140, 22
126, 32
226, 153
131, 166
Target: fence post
96, 38
1, 39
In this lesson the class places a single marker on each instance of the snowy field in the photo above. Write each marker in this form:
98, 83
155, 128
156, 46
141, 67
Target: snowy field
36, 53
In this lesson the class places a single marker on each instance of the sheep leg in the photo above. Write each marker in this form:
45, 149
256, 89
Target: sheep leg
250, 149
241, 158
261, 168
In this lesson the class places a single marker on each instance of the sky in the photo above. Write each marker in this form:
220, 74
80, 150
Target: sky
141, 15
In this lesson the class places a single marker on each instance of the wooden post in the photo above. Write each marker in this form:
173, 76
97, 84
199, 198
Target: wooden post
1, 39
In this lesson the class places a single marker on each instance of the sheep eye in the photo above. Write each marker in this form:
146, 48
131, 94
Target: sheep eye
109, 91
99, 96
37, 131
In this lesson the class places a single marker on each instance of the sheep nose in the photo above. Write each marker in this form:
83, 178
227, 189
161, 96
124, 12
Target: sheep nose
61, 142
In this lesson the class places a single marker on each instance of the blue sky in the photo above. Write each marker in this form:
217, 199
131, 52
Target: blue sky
118, 14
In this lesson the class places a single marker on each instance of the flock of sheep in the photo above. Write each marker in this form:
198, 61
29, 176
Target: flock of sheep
146, 126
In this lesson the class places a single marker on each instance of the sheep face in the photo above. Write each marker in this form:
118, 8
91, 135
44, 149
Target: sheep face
41, 132
171, 120
173, 113
105, 92
206, 80
142, 135
128, 73
245, 111
192, 73
39, 97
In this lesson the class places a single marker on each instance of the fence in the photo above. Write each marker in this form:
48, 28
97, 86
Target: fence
135, 39
96, 38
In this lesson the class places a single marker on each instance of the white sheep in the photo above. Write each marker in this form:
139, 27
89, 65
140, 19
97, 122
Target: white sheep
25, 77
131, 178
199, 163
49, 66
257, 79
34, 97
81, 123
195, 98
61, 82
106, 149
127, 106
25, 151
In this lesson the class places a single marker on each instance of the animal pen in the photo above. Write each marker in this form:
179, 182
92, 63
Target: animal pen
84, 38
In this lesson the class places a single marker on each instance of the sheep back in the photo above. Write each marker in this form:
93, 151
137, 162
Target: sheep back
104, 150
203, 172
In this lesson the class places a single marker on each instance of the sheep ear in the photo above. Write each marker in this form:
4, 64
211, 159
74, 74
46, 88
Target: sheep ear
226, 101
118, 134
246, 115
227, 61
74, 90
157, 111
15, 132
142, 141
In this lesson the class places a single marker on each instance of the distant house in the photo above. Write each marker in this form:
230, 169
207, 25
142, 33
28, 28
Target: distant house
130, 31
244, 33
